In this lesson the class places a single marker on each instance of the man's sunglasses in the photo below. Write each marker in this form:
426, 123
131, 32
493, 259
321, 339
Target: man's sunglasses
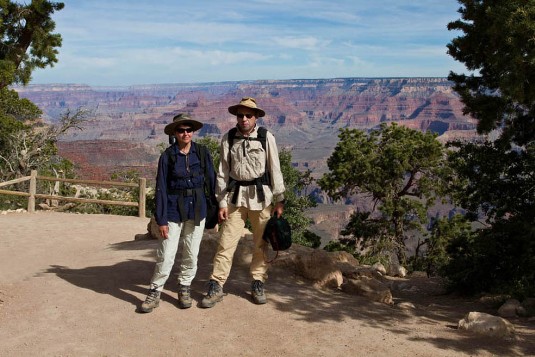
184, 130
240, 115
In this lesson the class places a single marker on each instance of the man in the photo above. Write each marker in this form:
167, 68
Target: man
180, 208
249, 186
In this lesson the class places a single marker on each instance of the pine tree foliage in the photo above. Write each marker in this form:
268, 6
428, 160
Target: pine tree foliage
27, 39
498, 43
496, 179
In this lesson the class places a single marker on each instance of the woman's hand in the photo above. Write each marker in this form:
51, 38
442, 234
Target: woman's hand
164, 231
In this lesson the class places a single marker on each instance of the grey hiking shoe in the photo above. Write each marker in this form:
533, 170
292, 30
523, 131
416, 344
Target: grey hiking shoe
257, 292
184, 297
214, 295
152, 301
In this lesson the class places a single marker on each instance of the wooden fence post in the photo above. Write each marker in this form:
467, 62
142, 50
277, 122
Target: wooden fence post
142, 196
33, 190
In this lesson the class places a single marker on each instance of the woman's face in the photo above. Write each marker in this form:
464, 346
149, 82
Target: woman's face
184, 134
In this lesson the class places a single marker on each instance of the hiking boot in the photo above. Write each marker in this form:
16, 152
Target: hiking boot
152, 301
257, 292
214, 295
184, 297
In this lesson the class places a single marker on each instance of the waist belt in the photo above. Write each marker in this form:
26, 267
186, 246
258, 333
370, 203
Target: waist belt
198, 193
182, 192
258, 182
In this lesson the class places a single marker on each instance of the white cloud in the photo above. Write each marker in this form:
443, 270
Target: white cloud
304, 43
129, 42
196, 57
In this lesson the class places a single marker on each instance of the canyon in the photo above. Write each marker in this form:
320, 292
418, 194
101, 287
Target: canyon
124, 129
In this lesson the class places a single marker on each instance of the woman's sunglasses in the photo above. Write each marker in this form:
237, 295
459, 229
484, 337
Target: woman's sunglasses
240, 115
184, 130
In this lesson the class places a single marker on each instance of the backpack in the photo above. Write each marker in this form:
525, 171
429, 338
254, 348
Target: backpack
259, 181
278, 233
212, 207
262, 135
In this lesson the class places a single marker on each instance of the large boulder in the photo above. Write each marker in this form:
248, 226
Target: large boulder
380, 268
319, 267
345, 261
509, 308
488, 325
365, 271
370, 288
395, 269
336, 269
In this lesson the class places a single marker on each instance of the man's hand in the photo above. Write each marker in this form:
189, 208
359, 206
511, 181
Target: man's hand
278, 209
223, 214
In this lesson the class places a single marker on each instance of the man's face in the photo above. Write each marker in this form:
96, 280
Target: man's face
183, 134
246, 119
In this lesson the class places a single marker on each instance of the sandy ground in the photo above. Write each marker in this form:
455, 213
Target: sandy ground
70, 285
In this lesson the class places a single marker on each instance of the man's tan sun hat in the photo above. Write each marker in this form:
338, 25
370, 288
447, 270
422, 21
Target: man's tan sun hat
246, 102
182, 119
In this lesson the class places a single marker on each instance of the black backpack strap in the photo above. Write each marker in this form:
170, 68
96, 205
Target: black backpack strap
258, 182
202, 152
171, 160
170, 155
231, 136
262, 137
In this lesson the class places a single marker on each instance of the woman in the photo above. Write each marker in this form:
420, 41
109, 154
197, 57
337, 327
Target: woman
180, 208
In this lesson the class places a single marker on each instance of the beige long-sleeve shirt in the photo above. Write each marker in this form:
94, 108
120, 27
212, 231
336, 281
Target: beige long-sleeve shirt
248, 161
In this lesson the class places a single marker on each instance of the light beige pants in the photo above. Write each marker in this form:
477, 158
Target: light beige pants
231, 232
166, 252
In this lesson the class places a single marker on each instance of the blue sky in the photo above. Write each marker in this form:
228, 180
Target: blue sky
127, 42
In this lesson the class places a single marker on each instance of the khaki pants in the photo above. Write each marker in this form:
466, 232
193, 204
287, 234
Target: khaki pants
231, 232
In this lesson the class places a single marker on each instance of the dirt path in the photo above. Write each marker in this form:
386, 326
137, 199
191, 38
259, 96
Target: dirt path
70, 285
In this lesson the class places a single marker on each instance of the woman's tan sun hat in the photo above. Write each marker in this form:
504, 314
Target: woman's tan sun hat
246, 102
182, 119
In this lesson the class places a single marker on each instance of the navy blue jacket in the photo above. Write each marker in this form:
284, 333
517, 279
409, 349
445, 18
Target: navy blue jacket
173, 186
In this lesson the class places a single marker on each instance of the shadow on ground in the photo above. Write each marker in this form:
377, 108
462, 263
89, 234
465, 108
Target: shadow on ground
293, 295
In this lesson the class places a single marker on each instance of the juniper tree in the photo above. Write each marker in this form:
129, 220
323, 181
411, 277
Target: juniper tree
399, 169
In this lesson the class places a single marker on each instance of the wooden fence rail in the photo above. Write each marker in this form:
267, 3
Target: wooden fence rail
32, 194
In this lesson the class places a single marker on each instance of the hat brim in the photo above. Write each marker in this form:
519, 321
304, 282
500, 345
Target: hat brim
171, 128
234, 110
